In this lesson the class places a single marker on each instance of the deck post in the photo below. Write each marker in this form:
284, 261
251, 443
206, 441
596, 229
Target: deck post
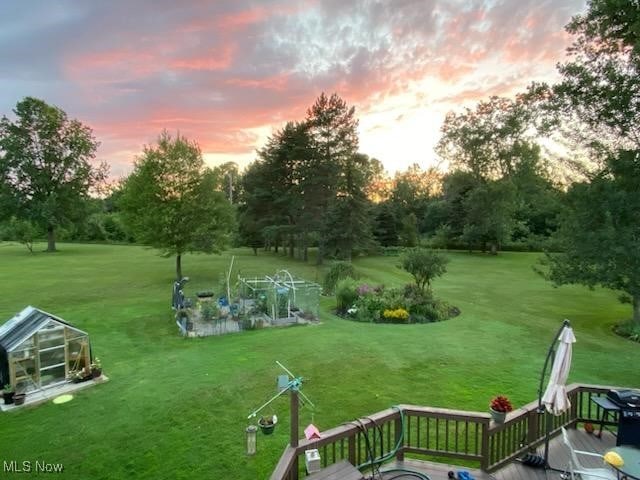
293, 437
351, 445
399, 436
484, 447
532, 432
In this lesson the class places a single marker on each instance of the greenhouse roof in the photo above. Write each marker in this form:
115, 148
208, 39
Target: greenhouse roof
25, 324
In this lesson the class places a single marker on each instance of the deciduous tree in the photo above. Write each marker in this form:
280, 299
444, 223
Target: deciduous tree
46, 169
173, 203
601, 232
600, 87
425, 265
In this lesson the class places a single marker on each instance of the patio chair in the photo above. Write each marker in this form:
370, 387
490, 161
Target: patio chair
576, 468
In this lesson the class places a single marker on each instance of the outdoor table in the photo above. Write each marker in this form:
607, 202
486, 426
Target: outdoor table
631, 467
607, 406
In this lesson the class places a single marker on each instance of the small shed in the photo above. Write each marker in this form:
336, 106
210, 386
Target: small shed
38, 350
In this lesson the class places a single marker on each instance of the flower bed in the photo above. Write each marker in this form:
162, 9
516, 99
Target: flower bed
366, 303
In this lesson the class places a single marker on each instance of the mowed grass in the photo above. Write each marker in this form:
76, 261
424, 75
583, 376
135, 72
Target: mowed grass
177, 408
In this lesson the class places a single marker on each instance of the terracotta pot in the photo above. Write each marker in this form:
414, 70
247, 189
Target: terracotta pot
18, 398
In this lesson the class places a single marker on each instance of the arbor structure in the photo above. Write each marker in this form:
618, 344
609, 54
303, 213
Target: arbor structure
46, 169
173, 203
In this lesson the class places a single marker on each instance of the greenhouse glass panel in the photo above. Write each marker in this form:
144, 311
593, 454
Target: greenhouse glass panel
52, 375
51, 357
51, 336
78, 353
27, 344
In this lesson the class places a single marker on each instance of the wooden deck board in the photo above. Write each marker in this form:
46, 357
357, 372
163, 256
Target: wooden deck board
435, 471
558, 458
338, 471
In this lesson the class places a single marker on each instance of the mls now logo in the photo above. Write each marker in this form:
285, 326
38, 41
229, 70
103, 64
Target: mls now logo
28, 467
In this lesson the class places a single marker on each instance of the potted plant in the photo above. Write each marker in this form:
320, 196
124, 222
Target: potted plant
78, 376
19, 396
208, 311
7, 394
499, 408
204, 294
96, 368
268, 424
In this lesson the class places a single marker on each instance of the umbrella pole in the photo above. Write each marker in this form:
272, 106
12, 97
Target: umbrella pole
541, 408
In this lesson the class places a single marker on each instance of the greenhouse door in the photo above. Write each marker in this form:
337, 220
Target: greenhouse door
52, 354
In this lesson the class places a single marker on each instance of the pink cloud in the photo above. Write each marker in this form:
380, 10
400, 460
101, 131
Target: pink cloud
215, 60
275, 82
111, 65
233, 21
215, 70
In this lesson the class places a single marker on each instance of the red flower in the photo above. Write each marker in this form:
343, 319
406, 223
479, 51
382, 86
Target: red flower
501, 404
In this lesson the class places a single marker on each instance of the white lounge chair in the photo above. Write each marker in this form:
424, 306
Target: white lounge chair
579, 471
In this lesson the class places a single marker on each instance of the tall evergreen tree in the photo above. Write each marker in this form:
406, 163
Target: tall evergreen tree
348, 225
333, 129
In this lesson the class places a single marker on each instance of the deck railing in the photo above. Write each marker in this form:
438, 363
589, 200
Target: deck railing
440, 433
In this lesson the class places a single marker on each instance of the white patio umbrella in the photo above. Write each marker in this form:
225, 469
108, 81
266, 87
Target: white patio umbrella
555, 397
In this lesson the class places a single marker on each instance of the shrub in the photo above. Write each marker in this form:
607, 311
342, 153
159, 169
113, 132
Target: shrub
424, 265
346, 294
208, 311
22, 231
337, 271
364, 289
393, 298
370, 307
628, 329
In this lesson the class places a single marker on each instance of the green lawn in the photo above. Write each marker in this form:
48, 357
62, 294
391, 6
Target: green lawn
177, 408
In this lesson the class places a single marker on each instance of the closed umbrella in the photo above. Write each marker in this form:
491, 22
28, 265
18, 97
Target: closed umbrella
555, 397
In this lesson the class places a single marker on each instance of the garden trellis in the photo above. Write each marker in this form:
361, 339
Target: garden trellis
281, 297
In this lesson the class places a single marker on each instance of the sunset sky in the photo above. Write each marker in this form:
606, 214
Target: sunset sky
227, 73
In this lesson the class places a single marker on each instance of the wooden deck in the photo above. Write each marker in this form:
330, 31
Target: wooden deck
435, 471
407, 433
558, 458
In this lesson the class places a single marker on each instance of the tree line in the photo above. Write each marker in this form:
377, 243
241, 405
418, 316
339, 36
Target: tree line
556, 168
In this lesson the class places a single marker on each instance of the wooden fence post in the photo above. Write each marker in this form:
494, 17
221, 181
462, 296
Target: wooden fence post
484, 447
533, 431
351, 444
399, 437
293, 437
